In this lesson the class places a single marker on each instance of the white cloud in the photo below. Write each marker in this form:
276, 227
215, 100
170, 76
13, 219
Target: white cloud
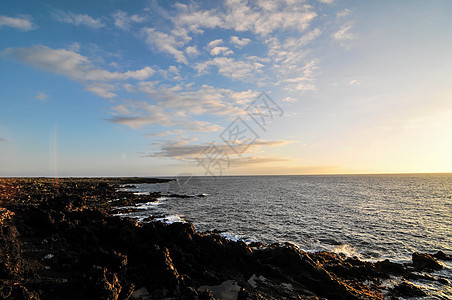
101, 89
263, 19
231, 68
74, 47
242, 17
193, 19
166, 43
76, 67
192, 51
343, 13
141, 74
123, 20
181, 34
22, 23
205, 100
77, 19
130, 88
303, 82
138, 114
215, 43
354, 82
121, 109
221, 50
59, 61
326, 1
181, 107
344, 33
292, 66
41, 96
239, 42
257, 58
289, 99
165, 133
71, 64
104, 75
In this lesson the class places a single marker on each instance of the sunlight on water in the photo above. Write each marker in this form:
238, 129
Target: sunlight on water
373, 217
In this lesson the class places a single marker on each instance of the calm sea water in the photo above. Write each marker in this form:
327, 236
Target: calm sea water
371, 216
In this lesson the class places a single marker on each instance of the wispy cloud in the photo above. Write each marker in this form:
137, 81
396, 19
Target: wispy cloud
74, 66
221, 50
103, 90
124, 21
77, 19
343, 13
166, 43
214, 43
354, 82
165, 133
181, 106
183, 150
239, 42
22, 23
192, 51
344, 34
2, 139
231, 68
194, 19
41, 96
238, 162
239, 15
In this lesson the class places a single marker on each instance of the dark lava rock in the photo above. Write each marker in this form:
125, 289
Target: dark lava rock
104, 284
98, 256
387, 266
10, 252
406, 289
424, 261
180, 196
443, 256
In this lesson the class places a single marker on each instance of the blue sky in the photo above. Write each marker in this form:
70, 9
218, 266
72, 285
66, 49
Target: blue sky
141, 88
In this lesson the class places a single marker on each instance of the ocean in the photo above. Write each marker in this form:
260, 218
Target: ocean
373, 217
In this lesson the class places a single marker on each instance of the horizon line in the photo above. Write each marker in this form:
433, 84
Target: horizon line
229, 175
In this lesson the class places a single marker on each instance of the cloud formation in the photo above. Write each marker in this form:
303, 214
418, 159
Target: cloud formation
75, 66
344, 33
21, 23
253, 44
181, 106
182, 150
41, 96
262, 19
239, 42
77, 19
124, 21
166, 43
231, 68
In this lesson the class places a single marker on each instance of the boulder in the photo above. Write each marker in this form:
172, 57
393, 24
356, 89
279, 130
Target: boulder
424, 261
406, 289
443, 256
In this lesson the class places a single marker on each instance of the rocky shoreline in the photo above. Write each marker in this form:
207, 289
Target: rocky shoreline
60, 240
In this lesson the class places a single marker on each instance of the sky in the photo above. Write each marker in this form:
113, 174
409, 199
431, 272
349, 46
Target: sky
234, 87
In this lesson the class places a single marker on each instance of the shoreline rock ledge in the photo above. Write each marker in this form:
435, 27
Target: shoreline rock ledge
59, 241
